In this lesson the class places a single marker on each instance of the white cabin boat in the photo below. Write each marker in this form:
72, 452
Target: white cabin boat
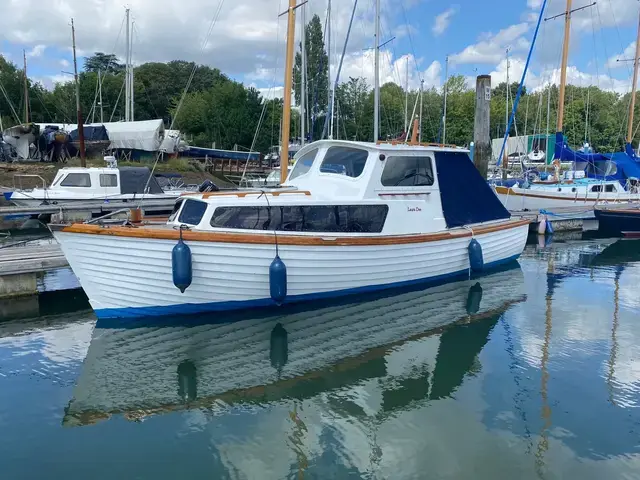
77, 184
356, 217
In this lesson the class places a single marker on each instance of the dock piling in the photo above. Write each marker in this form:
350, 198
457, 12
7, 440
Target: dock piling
481, 134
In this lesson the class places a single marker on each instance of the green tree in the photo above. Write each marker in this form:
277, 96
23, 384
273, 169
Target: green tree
317, 73
104, 62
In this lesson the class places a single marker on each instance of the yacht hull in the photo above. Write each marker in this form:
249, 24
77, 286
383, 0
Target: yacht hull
618, 221
514, 198
125, 274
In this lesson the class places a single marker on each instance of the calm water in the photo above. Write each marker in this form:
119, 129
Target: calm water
531, 372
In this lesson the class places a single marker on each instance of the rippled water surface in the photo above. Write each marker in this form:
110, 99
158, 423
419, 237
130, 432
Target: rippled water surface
530, 372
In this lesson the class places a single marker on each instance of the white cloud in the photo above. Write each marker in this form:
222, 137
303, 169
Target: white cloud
491, 47
540, 79
64, 63
248, 34
442, 21
36, 51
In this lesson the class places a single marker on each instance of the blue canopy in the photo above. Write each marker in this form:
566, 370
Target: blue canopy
606, 166
466, 197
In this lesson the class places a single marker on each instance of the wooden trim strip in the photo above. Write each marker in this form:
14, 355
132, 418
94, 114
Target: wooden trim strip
284, 239
629, 211
244, 194
580, 199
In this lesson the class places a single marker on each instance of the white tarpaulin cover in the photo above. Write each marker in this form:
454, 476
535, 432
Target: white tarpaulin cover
145, 135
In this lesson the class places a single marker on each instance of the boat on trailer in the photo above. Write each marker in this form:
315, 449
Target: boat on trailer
352, 217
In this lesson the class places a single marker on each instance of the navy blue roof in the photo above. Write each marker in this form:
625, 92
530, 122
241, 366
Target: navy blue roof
466, 197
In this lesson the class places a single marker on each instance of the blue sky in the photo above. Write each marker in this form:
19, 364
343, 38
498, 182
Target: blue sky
247, 40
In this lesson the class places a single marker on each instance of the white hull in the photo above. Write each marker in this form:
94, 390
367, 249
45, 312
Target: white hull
128, 276
530, 199
24, 200
237, 357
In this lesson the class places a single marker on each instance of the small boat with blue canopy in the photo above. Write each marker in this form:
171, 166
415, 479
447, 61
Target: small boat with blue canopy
352, 217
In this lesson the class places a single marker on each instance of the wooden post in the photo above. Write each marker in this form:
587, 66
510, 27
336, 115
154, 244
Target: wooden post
481, 134
288, 80
563, 66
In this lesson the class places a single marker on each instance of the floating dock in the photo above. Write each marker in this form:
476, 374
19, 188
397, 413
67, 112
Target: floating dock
34, 269
562, 218
81, 211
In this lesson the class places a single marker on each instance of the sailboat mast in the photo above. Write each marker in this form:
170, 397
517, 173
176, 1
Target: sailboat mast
100, 97
83, 160
563, 68
446, 91
406, 97
329, 83
127, 79
376, 77
131, 73
632, 104
26, 89
506, 108
420, 125
288, 74
303, 75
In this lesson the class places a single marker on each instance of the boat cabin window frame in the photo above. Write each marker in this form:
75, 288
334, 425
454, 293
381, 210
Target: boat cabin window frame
192, 210
606, 188
85, 176
57, 180
394, 182
327, 218
302, 165
103, 176
352, 167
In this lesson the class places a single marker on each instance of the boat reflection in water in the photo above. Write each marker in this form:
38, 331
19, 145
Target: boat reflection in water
407, 339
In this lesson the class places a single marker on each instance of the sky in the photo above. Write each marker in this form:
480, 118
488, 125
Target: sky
247, 38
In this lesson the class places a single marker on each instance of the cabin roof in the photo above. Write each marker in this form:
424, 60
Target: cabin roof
382, 146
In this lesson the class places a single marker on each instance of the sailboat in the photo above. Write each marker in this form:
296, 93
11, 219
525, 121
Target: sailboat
596, 177
355, 217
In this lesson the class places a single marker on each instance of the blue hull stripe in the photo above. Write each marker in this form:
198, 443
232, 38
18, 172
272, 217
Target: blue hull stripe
193, 308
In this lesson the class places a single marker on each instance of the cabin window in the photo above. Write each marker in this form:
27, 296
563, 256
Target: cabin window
344, 161
316, 218
108, 180
192, 212
76, 180
303, 164
607, 188
176, 209
407, 172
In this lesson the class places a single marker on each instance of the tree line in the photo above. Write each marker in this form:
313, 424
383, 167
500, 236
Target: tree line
220, 110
